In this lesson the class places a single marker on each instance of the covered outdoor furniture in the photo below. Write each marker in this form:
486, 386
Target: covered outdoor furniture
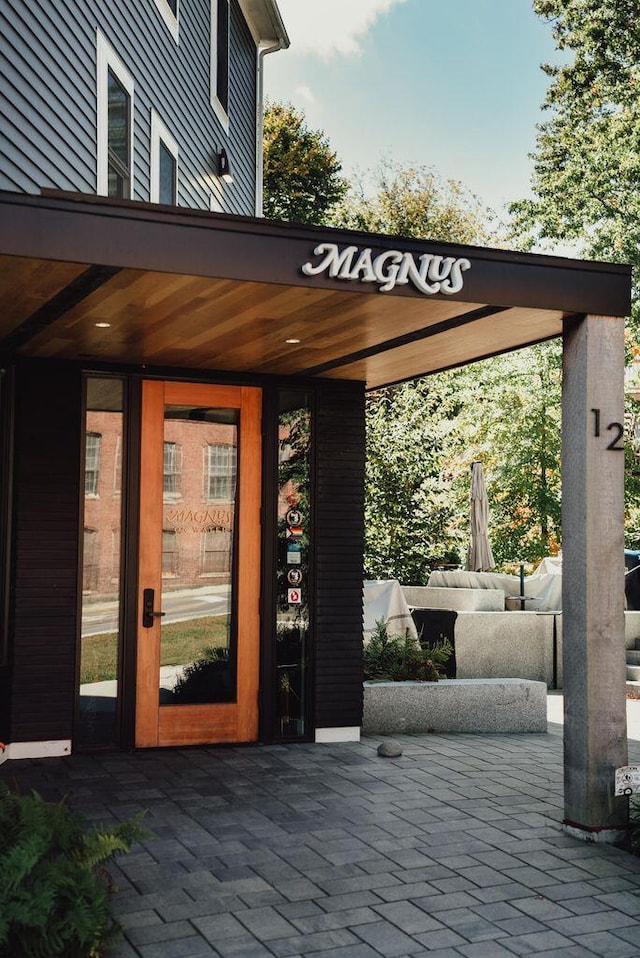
542, 590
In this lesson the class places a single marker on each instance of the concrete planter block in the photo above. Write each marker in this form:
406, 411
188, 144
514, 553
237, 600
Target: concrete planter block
458, 600
504, 645
455, 705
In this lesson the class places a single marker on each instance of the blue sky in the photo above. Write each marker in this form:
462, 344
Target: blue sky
453, 84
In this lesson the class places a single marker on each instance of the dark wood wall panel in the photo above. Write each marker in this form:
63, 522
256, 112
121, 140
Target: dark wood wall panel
45, 551
339, 531
48, 96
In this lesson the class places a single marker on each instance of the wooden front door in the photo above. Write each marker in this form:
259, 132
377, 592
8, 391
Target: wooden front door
199, 584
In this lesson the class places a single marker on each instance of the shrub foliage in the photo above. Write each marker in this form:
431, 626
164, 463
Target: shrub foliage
390, 657
54, 890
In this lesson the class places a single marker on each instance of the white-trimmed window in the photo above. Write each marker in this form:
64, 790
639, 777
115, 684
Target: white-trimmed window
93, 446
170, 13
164, 164
114, 122
220, 60
220, 472
172, 472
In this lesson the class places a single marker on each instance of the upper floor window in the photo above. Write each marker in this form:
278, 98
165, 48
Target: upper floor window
115, 123
172, 471
164, 164
92, 463
169, 11
220, 60
220, 471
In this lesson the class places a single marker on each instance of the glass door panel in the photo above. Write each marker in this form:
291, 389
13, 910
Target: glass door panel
198, 647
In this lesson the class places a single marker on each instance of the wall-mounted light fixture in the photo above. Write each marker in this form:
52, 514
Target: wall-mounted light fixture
224, 169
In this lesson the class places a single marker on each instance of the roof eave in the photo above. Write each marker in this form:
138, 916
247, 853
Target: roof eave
265, 22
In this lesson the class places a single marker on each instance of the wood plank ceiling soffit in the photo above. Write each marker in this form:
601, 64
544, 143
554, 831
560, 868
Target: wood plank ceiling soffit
240, 320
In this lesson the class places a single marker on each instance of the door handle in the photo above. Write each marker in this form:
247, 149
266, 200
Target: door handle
148, 612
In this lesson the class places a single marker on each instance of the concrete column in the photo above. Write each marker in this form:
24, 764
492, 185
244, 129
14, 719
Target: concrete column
595, 726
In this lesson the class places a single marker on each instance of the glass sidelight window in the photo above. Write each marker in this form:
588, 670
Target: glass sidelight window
102, 524
293, 566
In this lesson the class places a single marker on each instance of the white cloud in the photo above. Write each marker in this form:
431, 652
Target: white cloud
328, 27
304, 93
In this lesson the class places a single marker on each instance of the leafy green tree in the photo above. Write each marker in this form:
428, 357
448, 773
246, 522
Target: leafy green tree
301, 181
586, 176
414, 201
510, 418
410, 525
586, 179
414, 519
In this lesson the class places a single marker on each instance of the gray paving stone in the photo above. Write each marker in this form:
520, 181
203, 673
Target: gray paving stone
629, 933
348, 900
350, 951
266, 923
165, 931
444, 953
627, 902
484, 949
438, 901
326, 921
201, 908
443, 938
408, 917
501, 892
538, 943
193, 947
300, 890
604, 943
139, 919
215, 928
388, 940
522, 925
258, 899
360, 883
570, 890
307, 944
571, 951
245, 947
600, 921
584, 906
471, 926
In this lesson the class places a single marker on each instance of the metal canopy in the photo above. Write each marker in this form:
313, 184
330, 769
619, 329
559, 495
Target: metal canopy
97, 280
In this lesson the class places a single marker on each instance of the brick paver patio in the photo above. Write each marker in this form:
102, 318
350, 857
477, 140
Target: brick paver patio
454, 849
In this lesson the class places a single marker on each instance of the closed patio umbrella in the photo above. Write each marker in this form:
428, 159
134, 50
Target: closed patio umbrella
480, 556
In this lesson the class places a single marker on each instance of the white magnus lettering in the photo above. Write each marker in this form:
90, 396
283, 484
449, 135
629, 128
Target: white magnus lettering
336, 262
430, 274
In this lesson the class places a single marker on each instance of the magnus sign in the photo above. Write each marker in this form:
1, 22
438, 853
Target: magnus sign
429, 273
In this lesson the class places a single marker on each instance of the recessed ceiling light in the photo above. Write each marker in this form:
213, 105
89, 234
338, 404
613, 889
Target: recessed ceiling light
292, 342
103, 325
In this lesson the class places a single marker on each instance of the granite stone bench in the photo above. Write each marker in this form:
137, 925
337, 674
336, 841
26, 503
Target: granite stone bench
455, 705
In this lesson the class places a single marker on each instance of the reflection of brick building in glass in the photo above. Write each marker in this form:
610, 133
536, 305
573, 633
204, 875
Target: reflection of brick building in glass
199, 491
102, 504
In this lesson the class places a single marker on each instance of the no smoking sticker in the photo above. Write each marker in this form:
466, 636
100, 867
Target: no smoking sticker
294, 596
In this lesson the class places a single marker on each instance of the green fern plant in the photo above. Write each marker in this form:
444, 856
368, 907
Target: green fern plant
54, 889
393, 657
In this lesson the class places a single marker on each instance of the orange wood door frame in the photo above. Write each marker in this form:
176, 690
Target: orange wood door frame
159, 725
